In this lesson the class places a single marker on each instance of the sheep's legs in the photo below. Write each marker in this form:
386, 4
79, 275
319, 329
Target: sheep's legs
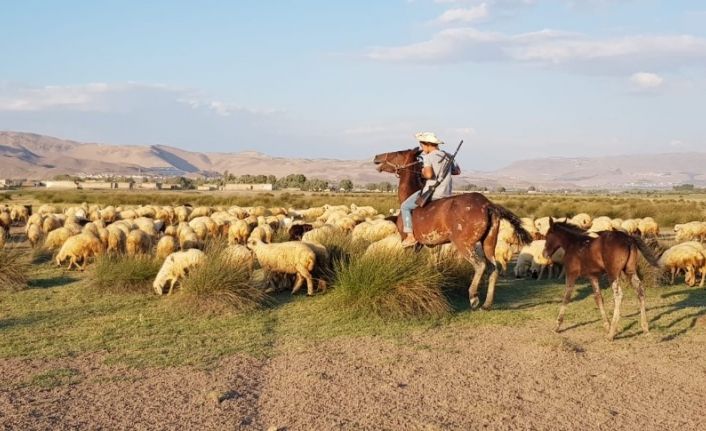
171, 285
297, 284
617, 299
599, 302
637, 285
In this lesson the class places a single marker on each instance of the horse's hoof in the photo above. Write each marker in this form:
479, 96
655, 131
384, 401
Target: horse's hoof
475, 302
486, 307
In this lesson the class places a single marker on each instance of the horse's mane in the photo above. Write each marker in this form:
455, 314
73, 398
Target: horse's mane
571, 229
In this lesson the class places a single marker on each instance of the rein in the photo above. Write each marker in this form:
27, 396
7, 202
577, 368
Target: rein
397, 167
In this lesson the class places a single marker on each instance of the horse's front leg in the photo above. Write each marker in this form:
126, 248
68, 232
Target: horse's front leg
599, 301
570, 282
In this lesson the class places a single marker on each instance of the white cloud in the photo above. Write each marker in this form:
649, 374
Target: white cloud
552, 48
473, 14
647, 81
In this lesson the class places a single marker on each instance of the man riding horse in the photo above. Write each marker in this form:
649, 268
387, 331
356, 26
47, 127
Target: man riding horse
433, 161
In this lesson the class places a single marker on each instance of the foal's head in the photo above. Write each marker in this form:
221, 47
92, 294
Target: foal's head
561, 234
397, 161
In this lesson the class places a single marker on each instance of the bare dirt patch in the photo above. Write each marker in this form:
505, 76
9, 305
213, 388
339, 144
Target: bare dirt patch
451, 377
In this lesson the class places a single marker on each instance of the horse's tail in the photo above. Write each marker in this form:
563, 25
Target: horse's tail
646, 251
501, 212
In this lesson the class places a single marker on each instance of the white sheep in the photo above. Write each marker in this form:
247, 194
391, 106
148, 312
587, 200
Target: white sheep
391, 243
238, 232
581, 220
648, 227
79, 248
56, 238
291, 257
175, 267
601, 224
239, 256
166, 246
263, 233
34, 234
116, 239
138, 242
372, 231
532, 254
687, 257
694, 230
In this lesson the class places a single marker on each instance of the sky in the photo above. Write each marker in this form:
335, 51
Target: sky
516, 79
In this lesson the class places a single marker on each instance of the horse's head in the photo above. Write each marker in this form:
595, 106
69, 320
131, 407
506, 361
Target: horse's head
553, 240
395, 161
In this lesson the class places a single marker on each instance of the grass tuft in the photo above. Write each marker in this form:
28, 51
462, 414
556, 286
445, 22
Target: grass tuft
392, 285
14, 270
218, 286
120, 273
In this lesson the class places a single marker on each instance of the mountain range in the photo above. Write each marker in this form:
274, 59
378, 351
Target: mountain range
33, 156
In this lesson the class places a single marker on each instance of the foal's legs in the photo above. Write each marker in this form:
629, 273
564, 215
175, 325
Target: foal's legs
570, 281
478, 270
617, 299
599, 301
637, 285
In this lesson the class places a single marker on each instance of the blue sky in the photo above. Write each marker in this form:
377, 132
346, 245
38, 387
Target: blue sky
516, 79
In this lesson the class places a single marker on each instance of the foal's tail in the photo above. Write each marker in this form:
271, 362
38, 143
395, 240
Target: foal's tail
504, 213
646, 251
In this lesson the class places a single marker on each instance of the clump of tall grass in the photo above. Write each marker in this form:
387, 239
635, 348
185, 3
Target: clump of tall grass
391, 284
14, 270
218, 285
119, 273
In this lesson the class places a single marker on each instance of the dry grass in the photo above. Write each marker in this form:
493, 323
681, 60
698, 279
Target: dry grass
391, 285
120, 273
218, 286
14, 270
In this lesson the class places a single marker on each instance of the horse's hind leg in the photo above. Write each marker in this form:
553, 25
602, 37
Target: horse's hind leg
478, 271
567, 297
617, 299
489, 243
637, 285
599, 301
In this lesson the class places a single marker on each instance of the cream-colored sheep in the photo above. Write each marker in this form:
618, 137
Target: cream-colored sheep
34, 234
601, 224
171, 230
91, 228
238, 232
372, 231
188, 239
182, 213
79, 248
175, 267
138, 242
581, 220
211, 226
263, 233
200, 212
166, 246
630, 226
239, 256
291, 257
617, 223
56, 238
200, 229
320, 234
528, 224
529, 255
116, 239
3, 237
19, 213
687, 257
50, 223
503, 253
391, 243
47, 209
648, 227
5, 220
542, 225
146, 211
694, 230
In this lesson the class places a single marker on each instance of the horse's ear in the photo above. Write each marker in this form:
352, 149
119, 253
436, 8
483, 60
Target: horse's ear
551, 221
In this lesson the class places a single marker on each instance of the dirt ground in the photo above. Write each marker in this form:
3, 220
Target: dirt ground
451, 377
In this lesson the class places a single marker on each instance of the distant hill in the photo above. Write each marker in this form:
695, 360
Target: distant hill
32, 156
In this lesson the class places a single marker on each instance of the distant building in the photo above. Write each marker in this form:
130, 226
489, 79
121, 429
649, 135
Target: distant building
253, 187
207, 187
149, 186
123, 185
9, 183
95, 185
65, 185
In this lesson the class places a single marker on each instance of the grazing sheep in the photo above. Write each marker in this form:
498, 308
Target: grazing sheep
79, 248
391, 243
211, 226
373, 231
542, 225
47, 209
238, 232
291, 257
532, 254
147, 225
617, 223
320, 234
188, 239
296, 231
687, 257
692, 231
530, 227
200, 212
581, 220
50, 223
5, 219
200, 229
601, 224
239, 256
648, 227
175, 267
116, 239
170, 230
20, 213
34, 234
630, 226
166, 246
3, 237
56, 238
263, 233
138, 242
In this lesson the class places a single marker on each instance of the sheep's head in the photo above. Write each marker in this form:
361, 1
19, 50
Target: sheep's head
253, 243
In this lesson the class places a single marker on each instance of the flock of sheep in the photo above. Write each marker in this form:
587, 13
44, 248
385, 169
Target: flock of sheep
176, 236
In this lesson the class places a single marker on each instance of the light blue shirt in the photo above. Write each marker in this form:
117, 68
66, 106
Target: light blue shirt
436, 160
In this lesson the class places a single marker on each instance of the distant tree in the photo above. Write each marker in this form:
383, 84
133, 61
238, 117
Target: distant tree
532, 189
684, 187
501, 189
346, 185
186, 183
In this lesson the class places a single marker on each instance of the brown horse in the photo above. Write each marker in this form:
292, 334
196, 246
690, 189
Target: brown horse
463, 220
612, 253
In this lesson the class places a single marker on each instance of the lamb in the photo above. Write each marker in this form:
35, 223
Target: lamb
291, 257
685, 257
79, 248
166, 246
175, 267
138, 242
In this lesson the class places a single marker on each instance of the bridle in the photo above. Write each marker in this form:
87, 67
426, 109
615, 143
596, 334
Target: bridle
397, 167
